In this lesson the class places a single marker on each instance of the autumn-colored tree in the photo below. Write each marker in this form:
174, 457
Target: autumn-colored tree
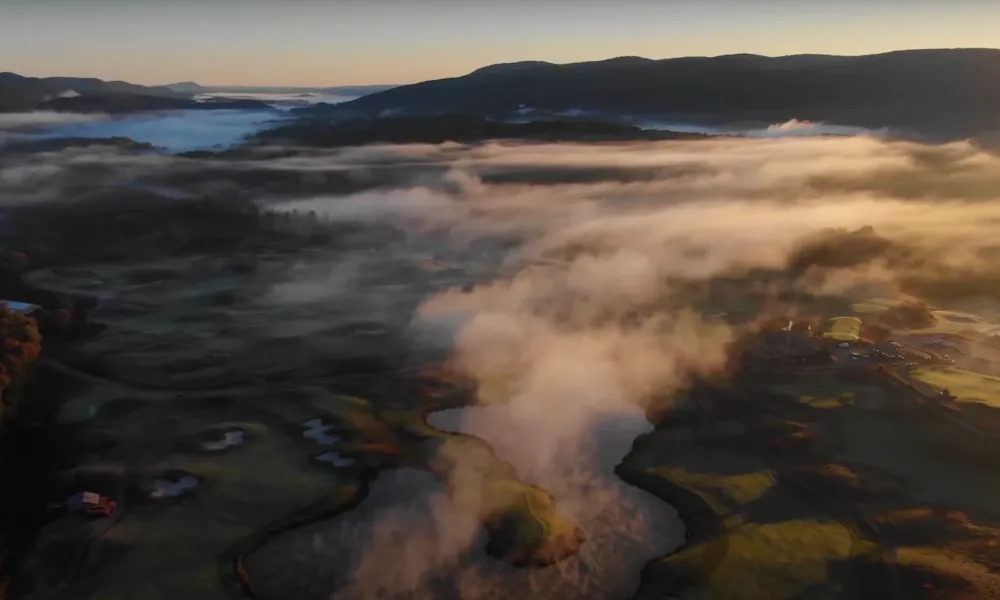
875, 333
20, 346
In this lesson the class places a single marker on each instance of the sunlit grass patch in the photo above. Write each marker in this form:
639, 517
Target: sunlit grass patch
865, 308
839, 473
946, 575
844, 399
723, 493
774, 561
948, 322
412, 422
525, 525
536, 531
358, 414
830, 390
966, 386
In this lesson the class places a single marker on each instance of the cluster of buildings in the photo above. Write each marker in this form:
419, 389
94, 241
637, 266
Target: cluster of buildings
803, 342
782, 346
792, 341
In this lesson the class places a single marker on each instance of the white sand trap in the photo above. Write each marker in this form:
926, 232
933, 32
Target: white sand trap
336, 459
319, 432
229, 439
164, 488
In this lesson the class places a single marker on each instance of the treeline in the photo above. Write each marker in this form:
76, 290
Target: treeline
317, 132
147, 226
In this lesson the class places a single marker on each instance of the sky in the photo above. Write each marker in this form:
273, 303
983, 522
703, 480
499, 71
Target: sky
358, 42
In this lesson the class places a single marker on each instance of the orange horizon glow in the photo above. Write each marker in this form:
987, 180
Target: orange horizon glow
303, 43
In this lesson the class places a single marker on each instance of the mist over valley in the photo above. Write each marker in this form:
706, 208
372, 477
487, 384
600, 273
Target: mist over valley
693, 328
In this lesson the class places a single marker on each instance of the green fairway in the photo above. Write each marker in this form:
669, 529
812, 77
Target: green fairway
966, 386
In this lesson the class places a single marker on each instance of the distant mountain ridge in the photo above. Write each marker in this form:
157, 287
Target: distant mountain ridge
20, 93
450, 128
86, 94
953, 89
190, 87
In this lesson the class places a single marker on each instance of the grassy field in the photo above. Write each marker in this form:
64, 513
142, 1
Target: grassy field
181, 544
525, 525
778, 546
777, 561
767, 551
966, 386
812, 531
943, 554
874, 306
830, 391
955, 323
867, 308
522, 518
771, 543
246, 490
724, 493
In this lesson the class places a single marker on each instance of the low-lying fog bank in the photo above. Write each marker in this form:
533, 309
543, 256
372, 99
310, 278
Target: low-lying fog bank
282, 99
574, 283
660, 211
438, 549
792, 128
190, 130
625, 527
174, 131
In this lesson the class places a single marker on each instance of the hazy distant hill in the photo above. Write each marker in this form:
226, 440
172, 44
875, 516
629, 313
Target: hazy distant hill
78, 94
450, 128
20, 93
186, 87
191, 87
84, 85
954, 89
127, 103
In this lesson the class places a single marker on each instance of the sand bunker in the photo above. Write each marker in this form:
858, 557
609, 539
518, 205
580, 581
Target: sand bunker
335, 459
319, 432
229, 440
165, 488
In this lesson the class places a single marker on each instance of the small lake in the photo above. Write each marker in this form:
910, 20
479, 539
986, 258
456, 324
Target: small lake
174, 131
408, 540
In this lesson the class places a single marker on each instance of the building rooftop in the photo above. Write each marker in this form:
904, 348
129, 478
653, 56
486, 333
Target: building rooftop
21, 307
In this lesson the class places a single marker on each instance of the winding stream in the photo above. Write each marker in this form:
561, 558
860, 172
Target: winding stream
407, 539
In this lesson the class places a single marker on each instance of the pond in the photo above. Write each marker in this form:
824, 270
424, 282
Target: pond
408, 540
174, 131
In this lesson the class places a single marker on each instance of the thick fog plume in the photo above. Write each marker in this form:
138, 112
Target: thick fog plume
586, 325
572, 308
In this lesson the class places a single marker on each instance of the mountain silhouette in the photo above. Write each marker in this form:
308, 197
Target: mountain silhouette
951, 89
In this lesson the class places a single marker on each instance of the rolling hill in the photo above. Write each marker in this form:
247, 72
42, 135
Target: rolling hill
78, 94
190, 87
952, 89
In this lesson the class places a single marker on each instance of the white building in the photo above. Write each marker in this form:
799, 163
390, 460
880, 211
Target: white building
21, 307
